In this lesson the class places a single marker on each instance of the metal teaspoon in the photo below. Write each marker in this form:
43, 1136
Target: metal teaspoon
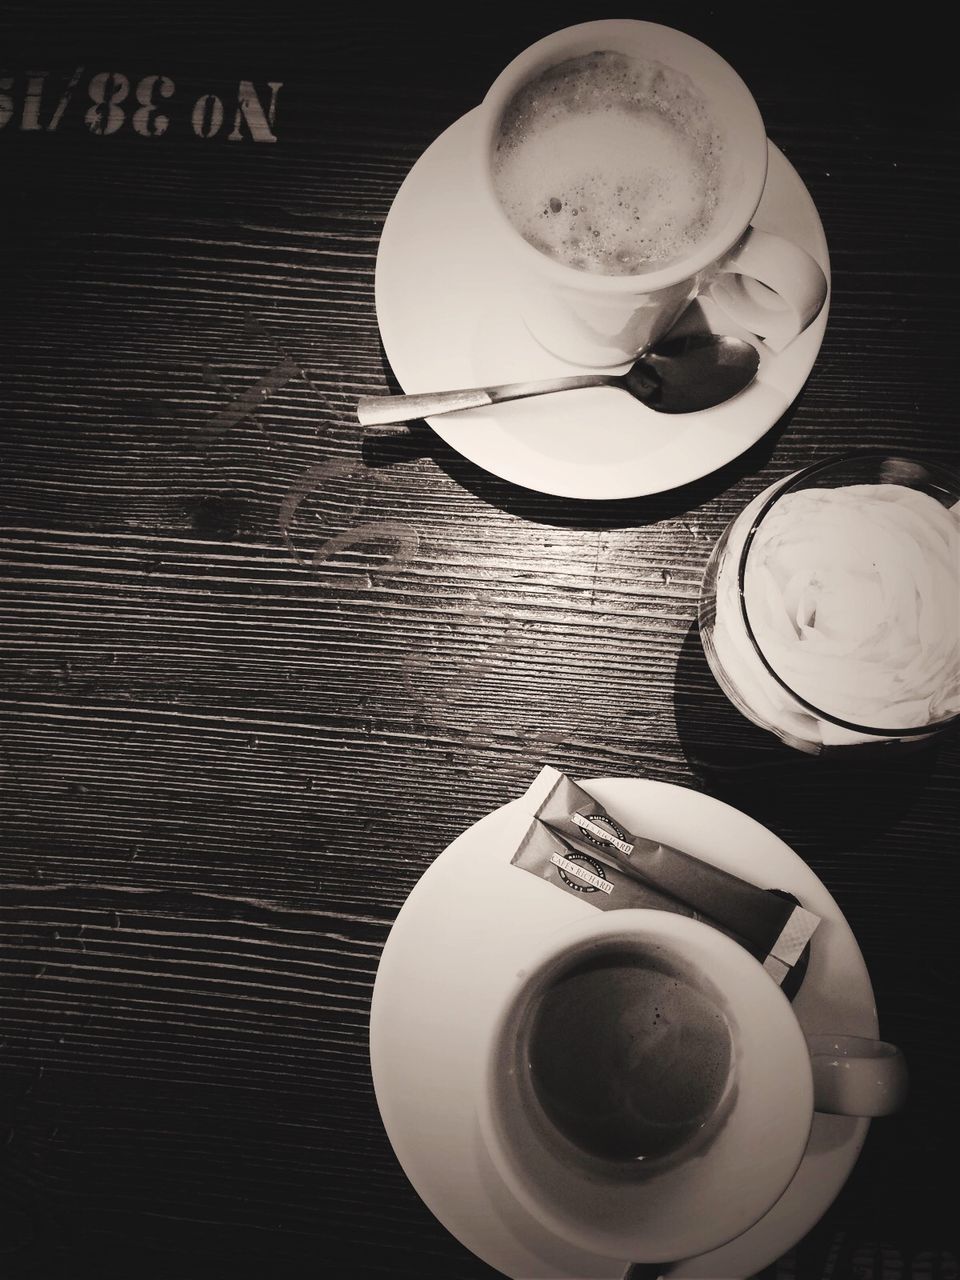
678, 375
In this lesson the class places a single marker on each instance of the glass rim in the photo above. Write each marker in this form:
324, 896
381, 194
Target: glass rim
937, 471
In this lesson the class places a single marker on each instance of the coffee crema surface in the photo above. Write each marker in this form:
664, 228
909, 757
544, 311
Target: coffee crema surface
628, 1061
610, 163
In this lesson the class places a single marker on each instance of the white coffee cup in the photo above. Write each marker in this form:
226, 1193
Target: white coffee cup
768, 286
726, 1170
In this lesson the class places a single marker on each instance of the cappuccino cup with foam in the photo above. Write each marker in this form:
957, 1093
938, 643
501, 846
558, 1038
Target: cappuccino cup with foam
649, 1093
621, 163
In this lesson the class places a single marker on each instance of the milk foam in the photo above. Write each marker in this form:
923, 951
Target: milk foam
610, 163
852, 597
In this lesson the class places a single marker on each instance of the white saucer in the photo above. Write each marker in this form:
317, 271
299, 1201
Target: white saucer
459, 936
447, 320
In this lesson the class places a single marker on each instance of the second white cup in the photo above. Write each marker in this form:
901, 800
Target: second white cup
649, 1092
573, 132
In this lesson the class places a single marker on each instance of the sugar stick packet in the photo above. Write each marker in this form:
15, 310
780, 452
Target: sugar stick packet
577, 844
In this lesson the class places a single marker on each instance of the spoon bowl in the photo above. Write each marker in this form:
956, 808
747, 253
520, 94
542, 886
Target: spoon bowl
677, 375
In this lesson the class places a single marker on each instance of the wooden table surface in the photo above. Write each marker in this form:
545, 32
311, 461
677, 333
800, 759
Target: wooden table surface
259, 671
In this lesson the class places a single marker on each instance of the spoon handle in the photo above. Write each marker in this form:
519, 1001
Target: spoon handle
377, 411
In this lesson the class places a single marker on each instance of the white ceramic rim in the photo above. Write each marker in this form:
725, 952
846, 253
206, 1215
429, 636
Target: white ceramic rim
588, 37
777, 1098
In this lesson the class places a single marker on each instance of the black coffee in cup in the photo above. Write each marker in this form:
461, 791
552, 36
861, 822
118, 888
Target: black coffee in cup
628, 1058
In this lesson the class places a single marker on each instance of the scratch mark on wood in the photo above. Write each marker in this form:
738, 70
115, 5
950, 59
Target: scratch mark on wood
246, 405
301, 489
404, 536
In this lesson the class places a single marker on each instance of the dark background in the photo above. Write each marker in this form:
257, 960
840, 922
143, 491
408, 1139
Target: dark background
229, 750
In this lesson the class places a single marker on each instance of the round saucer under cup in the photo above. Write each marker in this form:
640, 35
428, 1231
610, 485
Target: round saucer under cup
448, 318
430, 1025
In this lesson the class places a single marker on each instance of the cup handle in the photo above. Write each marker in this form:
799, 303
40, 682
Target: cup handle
770, 287
857, 1077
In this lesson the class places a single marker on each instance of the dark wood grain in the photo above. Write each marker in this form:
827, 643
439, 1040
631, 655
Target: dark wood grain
259, 670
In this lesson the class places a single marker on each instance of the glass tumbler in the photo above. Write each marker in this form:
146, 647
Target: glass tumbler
830, 607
